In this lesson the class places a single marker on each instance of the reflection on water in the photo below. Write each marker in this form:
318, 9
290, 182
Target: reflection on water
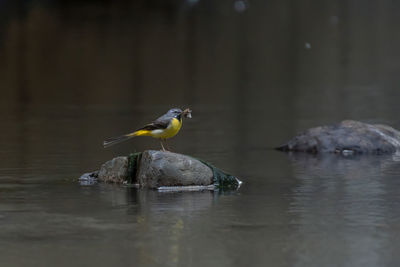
254, 73
347, 200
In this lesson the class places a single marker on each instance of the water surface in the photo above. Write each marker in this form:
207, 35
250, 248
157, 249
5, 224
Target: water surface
291, 210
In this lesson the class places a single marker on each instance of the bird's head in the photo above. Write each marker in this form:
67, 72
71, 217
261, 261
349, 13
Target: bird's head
177, 113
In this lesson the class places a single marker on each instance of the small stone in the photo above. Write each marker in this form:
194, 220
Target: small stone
89, 178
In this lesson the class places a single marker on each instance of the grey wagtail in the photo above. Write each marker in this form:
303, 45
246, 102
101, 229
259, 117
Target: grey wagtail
166, 126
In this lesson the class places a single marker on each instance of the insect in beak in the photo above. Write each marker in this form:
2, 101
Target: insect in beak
187, 113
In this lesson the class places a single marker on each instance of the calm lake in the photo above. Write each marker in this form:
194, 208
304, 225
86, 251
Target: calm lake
255, 73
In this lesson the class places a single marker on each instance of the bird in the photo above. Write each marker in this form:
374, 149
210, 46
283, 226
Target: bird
166, 126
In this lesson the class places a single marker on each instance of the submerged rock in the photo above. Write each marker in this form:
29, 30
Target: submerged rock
347, 137
89, 178
163, 169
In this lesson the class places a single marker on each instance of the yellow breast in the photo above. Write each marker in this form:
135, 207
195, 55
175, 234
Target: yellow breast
172, 129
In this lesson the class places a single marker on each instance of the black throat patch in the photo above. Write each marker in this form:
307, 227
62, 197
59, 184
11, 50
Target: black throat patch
179, 117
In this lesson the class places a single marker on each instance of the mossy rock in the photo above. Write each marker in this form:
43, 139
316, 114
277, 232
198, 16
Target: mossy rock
163, 169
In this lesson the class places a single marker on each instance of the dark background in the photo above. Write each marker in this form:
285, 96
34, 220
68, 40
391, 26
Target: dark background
281, 55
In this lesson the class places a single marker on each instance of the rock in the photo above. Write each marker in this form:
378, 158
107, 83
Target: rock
158, 168
114, 171
163, 170
89, 178
347, 137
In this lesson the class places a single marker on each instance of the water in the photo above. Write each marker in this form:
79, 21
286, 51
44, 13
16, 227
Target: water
291, 210
254, 74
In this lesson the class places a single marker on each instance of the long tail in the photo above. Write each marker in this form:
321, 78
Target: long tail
116, 140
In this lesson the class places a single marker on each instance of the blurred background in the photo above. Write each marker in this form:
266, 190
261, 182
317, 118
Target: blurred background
254, 72
333, 55
278, 66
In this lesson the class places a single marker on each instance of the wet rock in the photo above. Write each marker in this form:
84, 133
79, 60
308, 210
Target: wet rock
158, 169
114, 171
347, 137
165, 171
89, 178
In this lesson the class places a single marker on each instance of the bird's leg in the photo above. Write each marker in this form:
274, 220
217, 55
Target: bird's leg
166, 144
161, 141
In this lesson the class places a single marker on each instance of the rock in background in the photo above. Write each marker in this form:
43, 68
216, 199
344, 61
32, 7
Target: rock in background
346, 137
